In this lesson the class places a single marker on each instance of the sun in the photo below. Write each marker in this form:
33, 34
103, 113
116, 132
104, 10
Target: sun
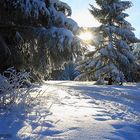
86, 36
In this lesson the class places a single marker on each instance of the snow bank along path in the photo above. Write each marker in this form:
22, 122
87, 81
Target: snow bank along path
78, 111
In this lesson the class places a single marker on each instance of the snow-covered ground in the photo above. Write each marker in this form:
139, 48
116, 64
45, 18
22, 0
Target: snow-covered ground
67, 110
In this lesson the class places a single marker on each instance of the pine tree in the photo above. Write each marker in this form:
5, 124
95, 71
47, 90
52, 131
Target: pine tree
136, 51
36, 35
112, 59
136, 71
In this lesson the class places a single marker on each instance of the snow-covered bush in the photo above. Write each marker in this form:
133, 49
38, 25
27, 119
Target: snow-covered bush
11, 87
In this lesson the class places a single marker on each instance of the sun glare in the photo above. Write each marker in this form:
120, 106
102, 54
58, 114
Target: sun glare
86, 36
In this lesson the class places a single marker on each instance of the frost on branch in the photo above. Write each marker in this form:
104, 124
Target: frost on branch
11, 88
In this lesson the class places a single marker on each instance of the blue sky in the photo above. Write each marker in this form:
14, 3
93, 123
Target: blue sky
82, 16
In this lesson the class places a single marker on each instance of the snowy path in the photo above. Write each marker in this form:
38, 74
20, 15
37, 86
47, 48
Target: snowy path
79, 111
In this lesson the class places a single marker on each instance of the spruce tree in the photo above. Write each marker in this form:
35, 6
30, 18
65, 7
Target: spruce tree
112, 59
36, 35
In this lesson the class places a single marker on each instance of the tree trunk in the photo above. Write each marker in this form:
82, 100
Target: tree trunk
110, 81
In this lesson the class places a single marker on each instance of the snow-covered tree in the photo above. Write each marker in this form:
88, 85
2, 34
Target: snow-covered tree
136, 52
112, 59
37, 35
68, 73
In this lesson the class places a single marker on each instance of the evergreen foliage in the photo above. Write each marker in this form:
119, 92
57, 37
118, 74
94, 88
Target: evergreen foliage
68, 73
36, 35
112, 59
136, 52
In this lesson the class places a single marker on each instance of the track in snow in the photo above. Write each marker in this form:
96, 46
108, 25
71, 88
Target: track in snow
82, 111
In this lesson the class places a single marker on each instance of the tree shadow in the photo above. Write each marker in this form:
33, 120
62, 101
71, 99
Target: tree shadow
11, 121
125, 131
26, 122
120, 102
